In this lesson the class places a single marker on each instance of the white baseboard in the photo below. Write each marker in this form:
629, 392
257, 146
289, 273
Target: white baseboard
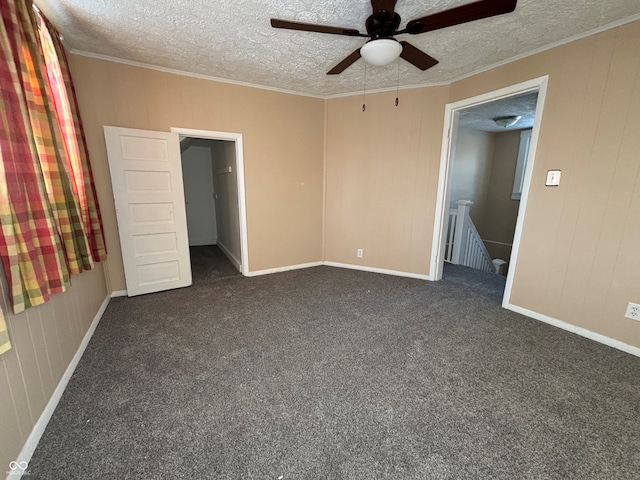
119, 293
282, 269
583, 332
230, 256
38, 429
378, 270
338, 265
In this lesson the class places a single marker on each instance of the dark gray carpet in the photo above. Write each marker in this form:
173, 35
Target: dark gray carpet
209, 264
338, 374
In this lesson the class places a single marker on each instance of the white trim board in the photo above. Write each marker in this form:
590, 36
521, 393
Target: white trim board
184, 73
38, 429
559, 43
383, 271
583, 332
349, 266
119, 293
388, 89
242, 200
542, 84
448, 144
286, 268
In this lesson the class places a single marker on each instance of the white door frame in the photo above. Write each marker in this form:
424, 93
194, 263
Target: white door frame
242, 206
448, 138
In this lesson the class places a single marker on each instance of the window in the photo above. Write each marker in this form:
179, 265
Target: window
49, 216
521, 164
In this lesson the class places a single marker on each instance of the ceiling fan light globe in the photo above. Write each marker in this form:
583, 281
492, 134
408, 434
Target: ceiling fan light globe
381, 51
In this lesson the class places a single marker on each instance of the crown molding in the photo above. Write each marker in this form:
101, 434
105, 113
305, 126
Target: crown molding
516, 58
190, 74
559, 43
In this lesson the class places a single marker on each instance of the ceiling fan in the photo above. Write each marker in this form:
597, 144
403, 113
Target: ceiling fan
382, 26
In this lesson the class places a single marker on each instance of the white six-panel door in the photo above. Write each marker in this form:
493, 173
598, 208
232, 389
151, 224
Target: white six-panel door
146, 176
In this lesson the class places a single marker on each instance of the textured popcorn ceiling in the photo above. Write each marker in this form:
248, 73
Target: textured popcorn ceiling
233, 40
481, 116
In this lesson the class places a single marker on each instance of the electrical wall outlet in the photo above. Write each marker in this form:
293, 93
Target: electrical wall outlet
633, 311
360, 253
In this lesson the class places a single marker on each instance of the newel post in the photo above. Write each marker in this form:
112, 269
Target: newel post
462, 224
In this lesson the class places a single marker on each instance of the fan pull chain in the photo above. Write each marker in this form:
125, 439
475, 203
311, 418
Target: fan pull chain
397, 82
364, 88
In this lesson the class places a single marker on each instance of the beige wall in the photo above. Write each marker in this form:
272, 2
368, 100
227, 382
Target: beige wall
283, 139
44, 339
501, 211
381, 178
471, 170
579, 260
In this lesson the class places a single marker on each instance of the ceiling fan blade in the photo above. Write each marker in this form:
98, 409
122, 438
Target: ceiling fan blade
463, 14
310, 27
347, 62
388, 5
417, 57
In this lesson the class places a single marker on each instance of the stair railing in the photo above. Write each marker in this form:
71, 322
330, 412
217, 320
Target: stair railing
463, 244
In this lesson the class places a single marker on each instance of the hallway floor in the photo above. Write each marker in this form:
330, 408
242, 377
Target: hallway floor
209, 263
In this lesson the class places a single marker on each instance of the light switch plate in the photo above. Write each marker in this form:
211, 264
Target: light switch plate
553, 178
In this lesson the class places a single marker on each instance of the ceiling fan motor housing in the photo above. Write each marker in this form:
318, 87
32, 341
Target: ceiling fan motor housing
382, 25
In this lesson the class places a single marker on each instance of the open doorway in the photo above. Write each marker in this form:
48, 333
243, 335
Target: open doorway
209, 175
147, 180
484, 179
213, 179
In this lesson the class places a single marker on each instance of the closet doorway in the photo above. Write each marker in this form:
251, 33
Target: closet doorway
213, 179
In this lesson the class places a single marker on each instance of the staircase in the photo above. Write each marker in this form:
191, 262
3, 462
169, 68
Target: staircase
463, 243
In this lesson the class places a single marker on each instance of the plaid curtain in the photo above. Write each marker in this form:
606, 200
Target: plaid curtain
77, 155
50, 220
5, 344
